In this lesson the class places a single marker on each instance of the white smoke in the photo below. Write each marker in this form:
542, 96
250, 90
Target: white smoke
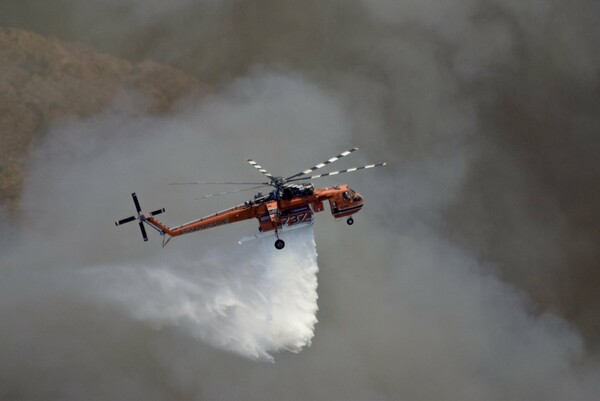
407, 314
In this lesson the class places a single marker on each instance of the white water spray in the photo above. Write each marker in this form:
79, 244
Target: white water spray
254, 300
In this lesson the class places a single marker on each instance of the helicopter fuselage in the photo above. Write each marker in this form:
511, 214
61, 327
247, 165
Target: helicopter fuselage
275, 212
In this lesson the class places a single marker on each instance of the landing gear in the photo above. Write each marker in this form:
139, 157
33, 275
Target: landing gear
350, 221
279, 244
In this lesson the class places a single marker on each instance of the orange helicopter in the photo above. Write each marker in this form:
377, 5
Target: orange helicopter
290, 205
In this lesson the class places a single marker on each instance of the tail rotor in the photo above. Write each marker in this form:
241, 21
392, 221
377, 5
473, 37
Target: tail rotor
141, 218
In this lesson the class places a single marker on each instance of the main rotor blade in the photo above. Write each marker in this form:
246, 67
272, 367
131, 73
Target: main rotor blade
137, 204
218, 183
143, 230
123, 221
339, 172
320, 165
259, 168
231, 192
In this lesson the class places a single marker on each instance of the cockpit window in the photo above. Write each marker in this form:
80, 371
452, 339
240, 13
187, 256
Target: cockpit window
351, 196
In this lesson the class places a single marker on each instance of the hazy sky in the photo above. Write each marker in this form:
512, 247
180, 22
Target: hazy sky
471, 273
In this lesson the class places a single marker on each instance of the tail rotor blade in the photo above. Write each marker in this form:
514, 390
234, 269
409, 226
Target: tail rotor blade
137, 204
141, 218
123, 221
143, 230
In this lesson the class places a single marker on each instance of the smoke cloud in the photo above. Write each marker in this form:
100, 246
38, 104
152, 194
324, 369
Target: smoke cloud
470, 274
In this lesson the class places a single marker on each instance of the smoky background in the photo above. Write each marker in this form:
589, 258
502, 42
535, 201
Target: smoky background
476, 242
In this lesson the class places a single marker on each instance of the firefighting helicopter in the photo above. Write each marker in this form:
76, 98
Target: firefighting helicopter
291, 204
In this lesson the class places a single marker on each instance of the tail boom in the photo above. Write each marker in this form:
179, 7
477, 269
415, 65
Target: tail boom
235, 214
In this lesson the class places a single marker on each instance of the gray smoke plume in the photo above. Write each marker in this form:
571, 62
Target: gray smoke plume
472, 271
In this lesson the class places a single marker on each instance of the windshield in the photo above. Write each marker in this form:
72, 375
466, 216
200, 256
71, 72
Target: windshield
350, 195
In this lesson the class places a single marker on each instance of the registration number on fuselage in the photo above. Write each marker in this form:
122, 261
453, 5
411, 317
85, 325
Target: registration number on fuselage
297, 218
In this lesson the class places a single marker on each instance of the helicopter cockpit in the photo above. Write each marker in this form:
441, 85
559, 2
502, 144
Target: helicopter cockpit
351, 196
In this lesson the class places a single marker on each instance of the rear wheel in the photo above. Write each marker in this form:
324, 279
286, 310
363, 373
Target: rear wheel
279, 244
350, 221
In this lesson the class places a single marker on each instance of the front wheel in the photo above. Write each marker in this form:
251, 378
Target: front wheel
350, 221
279, 244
